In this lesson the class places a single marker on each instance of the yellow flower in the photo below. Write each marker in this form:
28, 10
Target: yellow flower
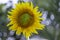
25, 18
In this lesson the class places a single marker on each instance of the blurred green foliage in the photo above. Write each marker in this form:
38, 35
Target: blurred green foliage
3, 18
52, 6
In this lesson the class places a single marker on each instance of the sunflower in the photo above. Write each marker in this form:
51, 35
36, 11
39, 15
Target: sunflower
25, 18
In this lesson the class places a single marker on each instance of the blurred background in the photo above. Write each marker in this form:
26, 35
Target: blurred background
51, 15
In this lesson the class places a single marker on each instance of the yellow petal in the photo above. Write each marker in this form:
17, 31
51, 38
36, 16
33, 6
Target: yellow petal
19, 30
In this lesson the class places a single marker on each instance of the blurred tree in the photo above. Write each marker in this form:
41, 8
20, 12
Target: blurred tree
51, 31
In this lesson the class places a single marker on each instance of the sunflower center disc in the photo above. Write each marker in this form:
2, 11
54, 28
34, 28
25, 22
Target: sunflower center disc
26, 20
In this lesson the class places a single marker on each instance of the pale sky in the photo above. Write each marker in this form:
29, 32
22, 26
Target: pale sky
14, 1
5, 1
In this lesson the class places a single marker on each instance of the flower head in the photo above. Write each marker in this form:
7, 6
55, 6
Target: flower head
25, 18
